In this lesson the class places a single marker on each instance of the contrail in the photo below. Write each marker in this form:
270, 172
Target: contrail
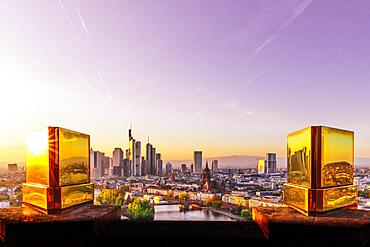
104, 84
68, 19
88, 84
263, 45
296, 13
84, 26
252, 79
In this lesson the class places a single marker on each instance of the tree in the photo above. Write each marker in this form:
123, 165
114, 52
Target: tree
184, 196
140, 210
245, 214
110, 197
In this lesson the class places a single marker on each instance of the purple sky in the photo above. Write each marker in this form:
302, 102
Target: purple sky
227, 77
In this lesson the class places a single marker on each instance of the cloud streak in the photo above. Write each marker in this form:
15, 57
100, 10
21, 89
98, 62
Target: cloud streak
299, 10
255, 77
83, 23
68, 18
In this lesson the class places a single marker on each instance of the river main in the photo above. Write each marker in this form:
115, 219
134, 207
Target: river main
171, 212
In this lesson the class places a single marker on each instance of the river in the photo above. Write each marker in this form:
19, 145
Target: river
171, 212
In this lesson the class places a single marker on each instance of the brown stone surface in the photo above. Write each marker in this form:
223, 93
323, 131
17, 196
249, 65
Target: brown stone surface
73, 227
27, 214
286, 225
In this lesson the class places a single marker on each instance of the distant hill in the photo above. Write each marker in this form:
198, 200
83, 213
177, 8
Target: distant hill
242, 161
250, 161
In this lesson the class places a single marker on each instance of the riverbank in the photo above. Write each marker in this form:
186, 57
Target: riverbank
228, 214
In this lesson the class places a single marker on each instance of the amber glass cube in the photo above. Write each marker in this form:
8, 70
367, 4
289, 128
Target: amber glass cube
320, 169
57, 169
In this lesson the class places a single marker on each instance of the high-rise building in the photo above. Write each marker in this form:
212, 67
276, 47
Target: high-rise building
132, 149
168, 168
126, 171
261, 166
96, 164
137, 158
159, 164
183, 168
214, 166
153, 162
149, 158
117, 161
105, 167
143, 167
271, 162
117, 157
191, 168
159, 167
198, 161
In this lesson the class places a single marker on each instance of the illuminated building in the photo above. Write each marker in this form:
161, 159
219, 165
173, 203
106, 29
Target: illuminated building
57, 170
137, 170
168, 168
149, 158
198, 161
270, 163
153, 161
96, 164
12, 168
183, 168
261, 166
159, 164
214, 166
320, 170
206, 179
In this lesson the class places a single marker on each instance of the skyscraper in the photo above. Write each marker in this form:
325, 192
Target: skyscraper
117, 157
261, 166
153, 162
214, 166
168, 168
117, 160
159, 164
137, 158
191, 168
271, 162
96, 164
143, 171
132, 148
149, 158
198, 161
159, 167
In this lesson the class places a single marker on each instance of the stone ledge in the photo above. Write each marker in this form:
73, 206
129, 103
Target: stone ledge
285, 225
26, 226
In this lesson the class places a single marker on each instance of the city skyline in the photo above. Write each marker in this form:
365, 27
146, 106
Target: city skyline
225, 78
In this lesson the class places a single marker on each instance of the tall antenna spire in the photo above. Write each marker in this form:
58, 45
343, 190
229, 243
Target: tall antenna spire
148, 139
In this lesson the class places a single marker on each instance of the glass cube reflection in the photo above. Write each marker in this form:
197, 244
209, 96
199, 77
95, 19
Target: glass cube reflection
57, 169
320, 170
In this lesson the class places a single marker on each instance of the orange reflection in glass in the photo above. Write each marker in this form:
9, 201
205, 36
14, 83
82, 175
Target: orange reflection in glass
76, 194
37, 164
73, 157
299, 162
336, 157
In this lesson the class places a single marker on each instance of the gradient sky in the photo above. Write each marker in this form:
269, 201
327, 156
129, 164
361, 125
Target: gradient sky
227, 77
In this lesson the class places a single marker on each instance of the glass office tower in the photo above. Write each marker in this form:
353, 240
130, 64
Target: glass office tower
57, 170
320, 170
